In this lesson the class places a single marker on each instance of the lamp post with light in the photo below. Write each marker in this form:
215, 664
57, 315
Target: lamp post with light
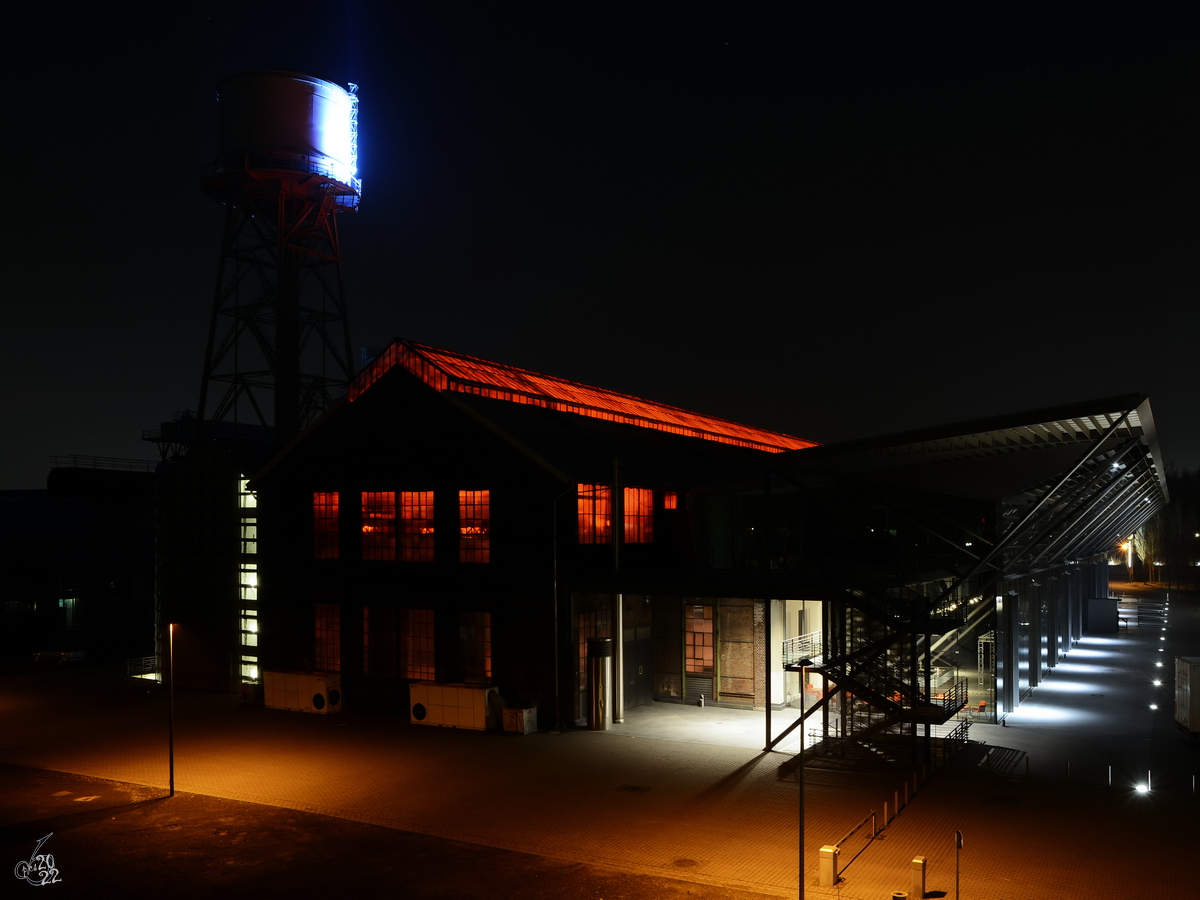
171, 707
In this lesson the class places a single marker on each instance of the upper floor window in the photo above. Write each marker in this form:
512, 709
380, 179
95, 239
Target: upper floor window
595, 514
416, 526
474, 526
670, 500
639, 515
325, 525
379, 525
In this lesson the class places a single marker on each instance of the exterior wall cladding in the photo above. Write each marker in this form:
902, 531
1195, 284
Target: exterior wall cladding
751, 551
403, 436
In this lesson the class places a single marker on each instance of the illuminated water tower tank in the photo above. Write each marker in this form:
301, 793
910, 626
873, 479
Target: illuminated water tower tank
286, 166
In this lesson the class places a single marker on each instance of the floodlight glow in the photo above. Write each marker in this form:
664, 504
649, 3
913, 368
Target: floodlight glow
1142, 789
1053, 684
1154, 706
1157, 683
1074, 668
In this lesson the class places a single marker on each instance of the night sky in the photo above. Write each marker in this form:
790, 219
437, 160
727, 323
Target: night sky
833, 220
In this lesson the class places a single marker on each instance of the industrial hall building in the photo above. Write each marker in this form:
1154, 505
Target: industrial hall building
461, 526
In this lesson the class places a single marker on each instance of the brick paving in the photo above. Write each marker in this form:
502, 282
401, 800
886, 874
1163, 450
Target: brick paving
696, 809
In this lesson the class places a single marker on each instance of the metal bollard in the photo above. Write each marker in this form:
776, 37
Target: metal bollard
917, 888
829, 865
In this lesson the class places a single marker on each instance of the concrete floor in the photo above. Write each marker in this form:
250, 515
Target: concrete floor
684, 792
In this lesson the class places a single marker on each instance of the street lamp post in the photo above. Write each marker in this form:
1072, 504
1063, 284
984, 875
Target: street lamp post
801, 778
171, 706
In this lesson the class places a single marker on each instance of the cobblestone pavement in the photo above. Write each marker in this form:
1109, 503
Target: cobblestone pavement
712, 811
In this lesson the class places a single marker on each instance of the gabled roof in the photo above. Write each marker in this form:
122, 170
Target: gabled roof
445, 370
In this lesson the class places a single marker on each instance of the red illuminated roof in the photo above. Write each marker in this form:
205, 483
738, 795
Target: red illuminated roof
444, 370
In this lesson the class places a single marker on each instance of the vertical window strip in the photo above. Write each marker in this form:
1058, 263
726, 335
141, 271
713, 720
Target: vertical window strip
475, 639
699, 639
595, 514
416, 526
325, 525
379, 525
474, 526
418, 644
639, 515
327, 651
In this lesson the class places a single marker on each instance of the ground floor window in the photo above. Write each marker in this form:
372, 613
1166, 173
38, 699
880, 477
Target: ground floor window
417, 643
327, 651
475, 641
380, 641
699, 639
592, 620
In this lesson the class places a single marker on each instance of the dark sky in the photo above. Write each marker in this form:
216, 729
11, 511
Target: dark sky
834, 224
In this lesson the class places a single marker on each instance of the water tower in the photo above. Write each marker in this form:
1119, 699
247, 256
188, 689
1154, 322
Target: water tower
286, 166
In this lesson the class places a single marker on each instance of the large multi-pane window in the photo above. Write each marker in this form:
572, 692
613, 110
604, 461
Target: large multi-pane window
475, 640
639, 515
591, 624
595, 514
325, 525
474, 526
417, 643
416, 526
379, 525
327, 643
699, 640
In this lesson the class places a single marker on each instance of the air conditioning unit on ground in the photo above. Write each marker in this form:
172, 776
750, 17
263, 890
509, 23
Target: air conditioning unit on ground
451, 705
313, 692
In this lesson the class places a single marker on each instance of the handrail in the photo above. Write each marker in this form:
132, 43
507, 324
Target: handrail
102, 462
874, 830
804, 646
874, 833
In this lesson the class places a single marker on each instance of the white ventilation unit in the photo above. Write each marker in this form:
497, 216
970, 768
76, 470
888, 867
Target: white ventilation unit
313, 692
451, 705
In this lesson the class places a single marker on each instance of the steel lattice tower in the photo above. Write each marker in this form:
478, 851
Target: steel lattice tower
287, 156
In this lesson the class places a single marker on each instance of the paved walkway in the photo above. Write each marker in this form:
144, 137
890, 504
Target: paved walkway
709, 807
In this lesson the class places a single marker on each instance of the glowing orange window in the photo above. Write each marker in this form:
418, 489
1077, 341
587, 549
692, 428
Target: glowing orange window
670, 500
639, 515
416, 526
474, 526
325, 525
379, 525
595, 514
